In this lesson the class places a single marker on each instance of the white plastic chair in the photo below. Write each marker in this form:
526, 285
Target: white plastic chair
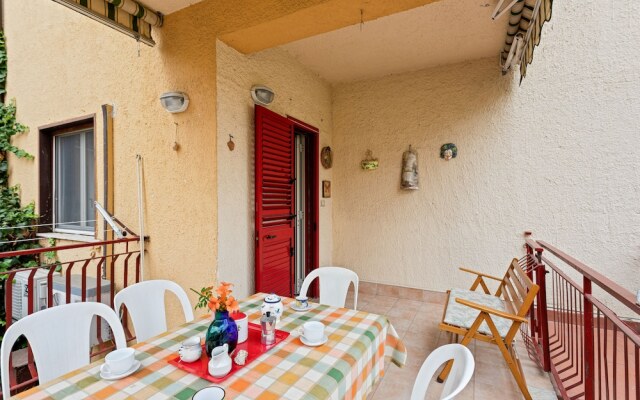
334, 284
145, 303
59, 338
459, 377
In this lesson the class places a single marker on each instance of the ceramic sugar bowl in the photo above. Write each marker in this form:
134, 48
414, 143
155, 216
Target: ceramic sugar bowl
190, 350
273, 304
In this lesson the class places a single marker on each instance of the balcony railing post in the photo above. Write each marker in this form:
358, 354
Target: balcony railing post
532, 315
543, 317
588, 353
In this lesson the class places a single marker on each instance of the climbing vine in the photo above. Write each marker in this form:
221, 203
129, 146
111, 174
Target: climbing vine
16, 221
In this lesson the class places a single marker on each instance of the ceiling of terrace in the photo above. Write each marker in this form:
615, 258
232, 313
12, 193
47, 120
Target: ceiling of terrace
169, 6
443, 32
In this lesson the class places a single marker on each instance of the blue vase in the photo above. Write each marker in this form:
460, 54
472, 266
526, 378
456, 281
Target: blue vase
222, 330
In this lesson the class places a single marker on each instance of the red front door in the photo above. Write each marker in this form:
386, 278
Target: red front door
274, 202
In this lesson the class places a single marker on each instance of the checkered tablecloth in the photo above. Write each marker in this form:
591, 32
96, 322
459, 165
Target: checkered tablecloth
346, 367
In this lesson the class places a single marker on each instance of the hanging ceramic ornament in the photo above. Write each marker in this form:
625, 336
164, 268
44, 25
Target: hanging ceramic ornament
369, 163
230, 144
409, 177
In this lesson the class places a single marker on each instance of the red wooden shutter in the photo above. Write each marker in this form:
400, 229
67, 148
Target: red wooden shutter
275, 204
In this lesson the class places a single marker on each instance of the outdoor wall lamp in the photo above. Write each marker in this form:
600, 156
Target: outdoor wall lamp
262, 95
174, 102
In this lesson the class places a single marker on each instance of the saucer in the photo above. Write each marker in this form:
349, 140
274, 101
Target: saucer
314, 344
105, 374
294, 308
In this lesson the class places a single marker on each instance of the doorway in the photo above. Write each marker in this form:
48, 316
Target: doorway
306, 201
286, 202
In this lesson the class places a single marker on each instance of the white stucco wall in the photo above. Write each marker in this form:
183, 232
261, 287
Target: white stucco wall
299, 93
557, 155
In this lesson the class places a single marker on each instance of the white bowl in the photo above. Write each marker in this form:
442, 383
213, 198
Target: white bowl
209, 393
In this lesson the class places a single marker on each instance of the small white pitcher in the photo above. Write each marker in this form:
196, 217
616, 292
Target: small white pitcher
220, 363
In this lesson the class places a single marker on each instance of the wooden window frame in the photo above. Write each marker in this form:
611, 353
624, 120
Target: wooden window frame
46, 168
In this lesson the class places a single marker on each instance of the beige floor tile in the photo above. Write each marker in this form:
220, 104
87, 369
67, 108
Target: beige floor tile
406, 304
388, 290
434, 297
401, 313
367, 287
492, 373
400, 325
382, 301
485, 391
397, 383
376, 308
411, 293
417, 324
366, 297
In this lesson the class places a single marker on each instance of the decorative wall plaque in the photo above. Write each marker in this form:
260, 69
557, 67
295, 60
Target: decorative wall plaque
448, 151
326, 157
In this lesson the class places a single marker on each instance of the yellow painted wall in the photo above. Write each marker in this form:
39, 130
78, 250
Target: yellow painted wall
557, 154
299, 93
64, 65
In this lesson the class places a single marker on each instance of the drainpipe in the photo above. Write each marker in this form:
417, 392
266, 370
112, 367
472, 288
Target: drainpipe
5, 43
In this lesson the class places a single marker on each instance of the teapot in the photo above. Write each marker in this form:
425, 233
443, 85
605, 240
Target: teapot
220, 363
273, 304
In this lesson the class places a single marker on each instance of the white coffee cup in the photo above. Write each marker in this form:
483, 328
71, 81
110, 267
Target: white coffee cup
121, 360
313, 331
302, 302
243, 326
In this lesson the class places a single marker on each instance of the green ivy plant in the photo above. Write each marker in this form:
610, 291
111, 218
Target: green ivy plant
16, 221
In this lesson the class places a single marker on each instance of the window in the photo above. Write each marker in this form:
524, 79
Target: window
67, 177
74, 181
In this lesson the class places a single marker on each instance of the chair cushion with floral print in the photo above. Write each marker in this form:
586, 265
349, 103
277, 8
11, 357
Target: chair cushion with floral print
463, 316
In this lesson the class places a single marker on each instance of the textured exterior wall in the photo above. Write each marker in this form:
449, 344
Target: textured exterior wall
557, 155
64, 65
299, 93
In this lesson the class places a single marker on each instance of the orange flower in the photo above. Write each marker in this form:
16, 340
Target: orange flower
213, 304
232, 304
224, 289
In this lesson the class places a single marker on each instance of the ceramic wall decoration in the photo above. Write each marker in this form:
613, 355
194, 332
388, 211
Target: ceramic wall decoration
448, 151
409, 176
326, 189
230, 144
326, 157
369, 163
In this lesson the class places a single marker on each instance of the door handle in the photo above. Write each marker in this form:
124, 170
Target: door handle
270, 237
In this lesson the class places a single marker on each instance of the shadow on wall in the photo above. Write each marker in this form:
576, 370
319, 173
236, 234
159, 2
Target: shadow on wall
251, 205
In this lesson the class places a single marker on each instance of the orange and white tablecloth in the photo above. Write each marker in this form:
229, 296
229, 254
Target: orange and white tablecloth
346, 367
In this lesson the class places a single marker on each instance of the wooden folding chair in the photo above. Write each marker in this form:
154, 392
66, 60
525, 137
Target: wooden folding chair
492, 318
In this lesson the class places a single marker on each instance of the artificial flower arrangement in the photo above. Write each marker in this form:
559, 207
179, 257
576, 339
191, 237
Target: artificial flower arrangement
221, 301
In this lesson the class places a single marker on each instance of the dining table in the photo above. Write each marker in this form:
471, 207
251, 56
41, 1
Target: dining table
347, 366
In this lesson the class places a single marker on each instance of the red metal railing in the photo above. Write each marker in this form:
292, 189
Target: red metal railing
84, 278
590, 351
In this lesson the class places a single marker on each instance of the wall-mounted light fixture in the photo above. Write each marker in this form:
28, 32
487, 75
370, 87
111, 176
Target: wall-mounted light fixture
174, 102
262, 95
